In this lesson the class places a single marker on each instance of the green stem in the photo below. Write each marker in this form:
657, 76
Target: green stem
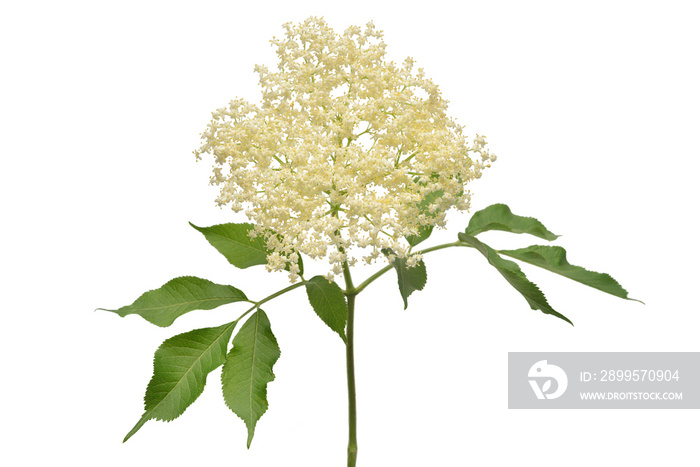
443, 246
379, 273
372, 278
279, 292
270, 297
351, 292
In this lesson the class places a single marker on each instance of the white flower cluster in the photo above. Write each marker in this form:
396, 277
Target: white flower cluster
341, 151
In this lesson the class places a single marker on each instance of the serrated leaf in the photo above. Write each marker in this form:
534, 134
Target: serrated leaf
515, 277
328, 301
410, 279
180, 368
553, 258
248, 370
424, 231
500, 217
179, 296
234, 243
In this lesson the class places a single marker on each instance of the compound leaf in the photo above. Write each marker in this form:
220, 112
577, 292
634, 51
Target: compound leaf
248, 370
179, 296
180, 368
232, 241
500, 217
328, 301
553, 258
424, 232
410, 279
515, 277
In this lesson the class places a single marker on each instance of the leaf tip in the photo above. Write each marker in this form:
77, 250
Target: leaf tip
144, 418
111, 311
559, 315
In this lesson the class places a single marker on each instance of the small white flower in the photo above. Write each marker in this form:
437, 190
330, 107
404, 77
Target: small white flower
413, 260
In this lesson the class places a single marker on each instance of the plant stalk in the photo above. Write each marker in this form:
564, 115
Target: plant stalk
352, 408
350, 362
350, 293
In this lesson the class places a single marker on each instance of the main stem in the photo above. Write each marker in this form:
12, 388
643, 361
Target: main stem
350, 360
351, 292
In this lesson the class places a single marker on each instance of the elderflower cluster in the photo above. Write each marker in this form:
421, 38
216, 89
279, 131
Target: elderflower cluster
345, 156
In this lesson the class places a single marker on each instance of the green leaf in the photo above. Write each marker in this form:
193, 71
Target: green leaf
328, 301
553, 258
499, 217
515, 277
179, 296
410, 279
248, 370
180, 368
423, 208
233, 241
424, 232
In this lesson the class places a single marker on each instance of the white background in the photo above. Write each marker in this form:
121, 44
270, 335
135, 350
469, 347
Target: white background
591, 107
